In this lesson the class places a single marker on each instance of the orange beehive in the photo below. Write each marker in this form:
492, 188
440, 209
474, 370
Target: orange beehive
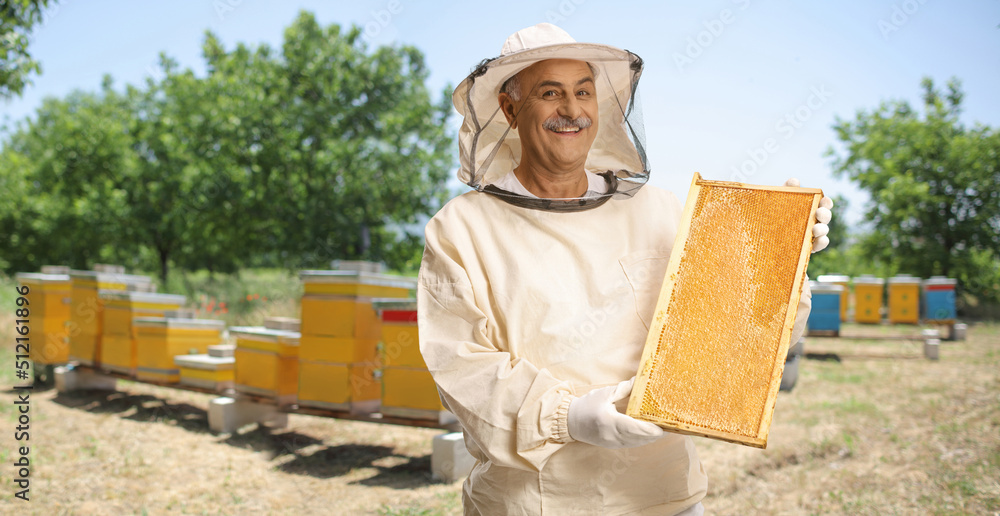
713, 359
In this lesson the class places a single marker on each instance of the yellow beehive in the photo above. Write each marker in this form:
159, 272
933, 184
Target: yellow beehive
340, 334
283, 323
714, 356
338, 317
343, 350
904, 300
159, 339
843, 281
399, 343
267, 362
207, 372
48, 312
86, 321
868, 299
340, 387
408, 390
356, 284
118, 344
338, 303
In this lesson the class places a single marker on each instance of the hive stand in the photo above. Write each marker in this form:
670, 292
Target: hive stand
450, 460
69, 379
226, 415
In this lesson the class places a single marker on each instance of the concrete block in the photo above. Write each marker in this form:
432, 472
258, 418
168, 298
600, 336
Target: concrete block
450, 461
931, 347
69, 379
930, 333
958, 331
226, 415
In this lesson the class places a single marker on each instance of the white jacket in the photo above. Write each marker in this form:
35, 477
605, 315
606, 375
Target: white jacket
521, 309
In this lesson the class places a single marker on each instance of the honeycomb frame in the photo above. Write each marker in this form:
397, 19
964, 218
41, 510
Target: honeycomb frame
708, 389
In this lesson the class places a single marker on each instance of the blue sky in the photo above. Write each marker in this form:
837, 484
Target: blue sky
725, 80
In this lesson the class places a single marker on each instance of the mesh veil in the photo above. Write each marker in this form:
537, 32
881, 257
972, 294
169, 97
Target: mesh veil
489, 149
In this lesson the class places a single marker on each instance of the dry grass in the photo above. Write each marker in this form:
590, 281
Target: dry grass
893, 435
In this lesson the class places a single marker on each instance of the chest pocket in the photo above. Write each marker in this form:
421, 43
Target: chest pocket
644, 271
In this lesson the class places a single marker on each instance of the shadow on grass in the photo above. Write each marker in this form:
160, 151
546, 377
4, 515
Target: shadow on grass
144, 408
275, 443
827, 357
416, 472
305, 454
406, 472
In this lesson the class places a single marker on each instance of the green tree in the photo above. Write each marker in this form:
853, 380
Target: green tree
60, 170
831, 259
934, 186
17, 18
325, 151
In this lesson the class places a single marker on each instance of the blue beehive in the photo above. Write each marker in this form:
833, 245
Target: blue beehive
825, 313
939, 299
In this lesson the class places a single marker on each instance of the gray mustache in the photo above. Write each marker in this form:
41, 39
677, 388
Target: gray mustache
563, 122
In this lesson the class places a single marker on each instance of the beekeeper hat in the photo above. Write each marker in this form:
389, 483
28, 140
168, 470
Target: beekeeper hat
489, 149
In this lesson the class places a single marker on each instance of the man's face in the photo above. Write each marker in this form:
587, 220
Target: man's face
556, 117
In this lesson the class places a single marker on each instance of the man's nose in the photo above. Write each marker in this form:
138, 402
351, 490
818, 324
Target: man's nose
570, 107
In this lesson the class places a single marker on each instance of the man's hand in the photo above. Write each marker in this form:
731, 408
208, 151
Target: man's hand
823, 216
593, 419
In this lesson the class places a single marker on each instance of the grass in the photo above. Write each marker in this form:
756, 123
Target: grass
882, 431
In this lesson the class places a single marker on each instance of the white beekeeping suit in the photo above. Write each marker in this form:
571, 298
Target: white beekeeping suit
526, 304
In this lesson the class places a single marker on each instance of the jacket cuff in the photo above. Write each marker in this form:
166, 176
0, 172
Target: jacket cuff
560, 431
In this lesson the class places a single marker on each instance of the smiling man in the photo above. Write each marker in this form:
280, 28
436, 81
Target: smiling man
556, 122
537, 288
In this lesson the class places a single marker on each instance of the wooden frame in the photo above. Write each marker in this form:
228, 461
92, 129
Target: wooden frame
650, 361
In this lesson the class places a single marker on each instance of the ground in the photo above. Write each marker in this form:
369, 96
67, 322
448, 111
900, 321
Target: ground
872, 427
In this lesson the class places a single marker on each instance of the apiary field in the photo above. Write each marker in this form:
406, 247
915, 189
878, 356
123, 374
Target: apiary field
872, 427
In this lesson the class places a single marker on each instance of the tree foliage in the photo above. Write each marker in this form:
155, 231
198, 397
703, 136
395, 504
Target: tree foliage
934, 185
324, 150
17, 18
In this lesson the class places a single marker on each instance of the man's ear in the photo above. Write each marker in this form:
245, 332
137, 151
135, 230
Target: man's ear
507, 106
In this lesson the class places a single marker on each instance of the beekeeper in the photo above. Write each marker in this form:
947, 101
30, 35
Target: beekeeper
537, 288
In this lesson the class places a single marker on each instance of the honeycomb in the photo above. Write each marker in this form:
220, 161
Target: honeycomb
711, 366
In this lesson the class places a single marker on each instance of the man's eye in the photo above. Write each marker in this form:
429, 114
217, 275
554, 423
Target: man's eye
583, 93
549, 93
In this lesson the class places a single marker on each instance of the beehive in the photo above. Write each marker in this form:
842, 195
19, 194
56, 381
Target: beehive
868, 293
342, 387
206, 372
48, 312
825, 313
159, 339
86, 322
282, 323
714, 355
118, 346
843, 281
939, 299
267, 362
904, 300
408, 390
340, 333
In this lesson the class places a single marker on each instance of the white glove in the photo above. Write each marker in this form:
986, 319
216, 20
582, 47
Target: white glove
593, 419
823, 216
